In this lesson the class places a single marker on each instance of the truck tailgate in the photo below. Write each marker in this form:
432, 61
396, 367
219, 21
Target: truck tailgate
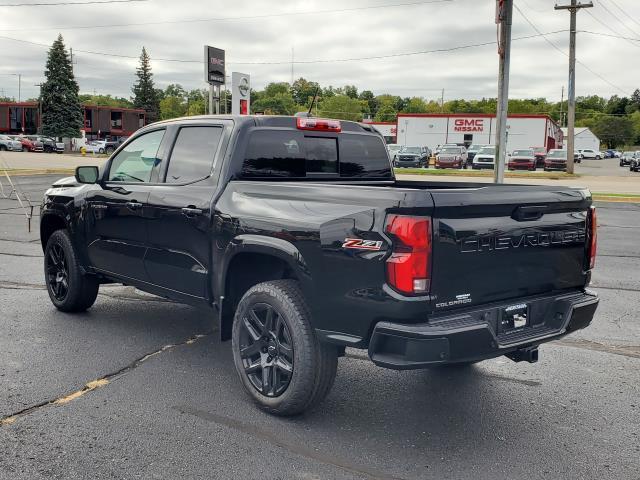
500, 242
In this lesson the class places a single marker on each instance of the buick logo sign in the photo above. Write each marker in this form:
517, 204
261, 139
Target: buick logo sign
243, 86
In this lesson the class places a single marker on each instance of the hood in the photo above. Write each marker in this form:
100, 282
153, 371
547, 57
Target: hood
518, 157
449, 156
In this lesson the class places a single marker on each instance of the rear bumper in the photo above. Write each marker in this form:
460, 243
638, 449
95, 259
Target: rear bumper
474, 334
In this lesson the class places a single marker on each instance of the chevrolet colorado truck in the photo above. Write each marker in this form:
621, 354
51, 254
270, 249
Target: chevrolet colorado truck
295, 235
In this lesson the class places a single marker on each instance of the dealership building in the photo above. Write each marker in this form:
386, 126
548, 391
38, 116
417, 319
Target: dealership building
99, 122
431, 130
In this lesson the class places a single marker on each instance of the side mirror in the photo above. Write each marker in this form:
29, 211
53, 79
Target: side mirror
87, 174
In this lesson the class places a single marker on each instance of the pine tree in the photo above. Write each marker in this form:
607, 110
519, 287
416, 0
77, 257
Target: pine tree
61, 109
145, 95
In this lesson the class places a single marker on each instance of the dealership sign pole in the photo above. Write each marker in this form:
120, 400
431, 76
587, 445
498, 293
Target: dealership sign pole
214, 74
504, 14
240, 93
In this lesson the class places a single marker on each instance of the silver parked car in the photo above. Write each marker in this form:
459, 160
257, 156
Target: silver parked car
9, 144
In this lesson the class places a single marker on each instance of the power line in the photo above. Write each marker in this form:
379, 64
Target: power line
586, 67
625, 13
610, 35
287, 62
616, 17
87, 2
225, 19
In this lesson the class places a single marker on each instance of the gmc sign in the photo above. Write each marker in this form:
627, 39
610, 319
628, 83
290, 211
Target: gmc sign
468, 125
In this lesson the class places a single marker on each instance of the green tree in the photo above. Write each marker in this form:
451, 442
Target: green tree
105, 101
303, 91
351, 91
415, 105
343, 107
61, 108
386, 113
172, 107
372, 101
613, 130
145, 95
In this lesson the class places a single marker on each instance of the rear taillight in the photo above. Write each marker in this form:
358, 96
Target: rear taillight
592, 236
409, 266
318, 124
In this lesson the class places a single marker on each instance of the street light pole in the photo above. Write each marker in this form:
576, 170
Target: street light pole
504, 14
571, 93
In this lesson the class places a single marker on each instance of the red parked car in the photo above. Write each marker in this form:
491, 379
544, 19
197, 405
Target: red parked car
541, 155
522, 160
29, 145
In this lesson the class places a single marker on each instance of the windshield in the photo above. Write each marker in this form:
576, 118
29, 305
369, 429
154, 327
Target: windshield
488, 151
557, 154
539, 150
451, 150
628, 153
523, 153
394, 148
415, 150
475, 148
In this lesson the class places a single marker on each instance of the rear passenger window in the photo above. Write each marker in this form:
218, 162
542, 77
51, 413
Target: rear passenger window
363, 156
193, 154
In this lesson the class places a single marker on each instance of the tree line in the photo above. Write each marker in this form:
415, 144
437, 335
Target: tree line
615, 120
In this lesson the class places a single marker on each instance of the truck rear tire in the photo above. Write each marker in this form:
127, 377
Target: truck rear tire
279, 360
68, 288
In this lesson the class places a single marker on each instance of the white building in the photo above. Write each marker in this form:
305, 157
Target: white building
584, 138
431, 130
387, 129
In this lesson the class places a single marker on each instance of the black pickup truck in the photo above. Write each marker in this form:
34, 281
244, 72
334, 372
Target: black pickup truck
294, 233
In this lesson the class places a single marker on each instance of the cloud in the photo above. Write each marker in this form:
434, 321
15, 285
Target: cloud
538, 70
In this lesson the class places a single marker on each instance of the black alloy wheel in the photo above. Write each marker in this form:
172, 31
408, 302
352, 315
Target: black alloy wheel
57, 272
266, 350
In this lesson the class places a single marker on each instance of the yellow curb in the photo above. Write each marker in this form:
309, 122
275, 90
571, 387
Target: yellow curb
24, 172
616, 199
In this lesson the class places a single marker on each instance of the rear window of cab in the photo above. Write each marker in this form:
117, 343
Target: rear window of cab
275, 153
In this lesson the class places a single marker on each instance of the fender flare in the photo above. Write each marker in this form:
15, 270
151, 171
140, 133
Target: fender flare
262, 244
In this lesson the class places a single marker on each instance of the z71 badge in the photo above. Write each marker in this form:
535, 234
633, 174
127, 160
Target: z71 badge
360, 244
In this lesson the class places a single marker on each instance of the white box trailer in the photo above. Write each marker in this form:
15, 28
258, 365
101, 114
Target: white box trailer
431, 130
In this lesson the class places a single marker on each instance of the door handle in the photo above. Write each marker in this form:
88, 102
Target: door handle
133, 205
191, 211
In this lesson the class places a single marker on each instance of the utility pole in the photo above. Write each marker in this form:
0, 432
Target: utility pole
442, 102
562, 108
292, 60
571, 94
504, 15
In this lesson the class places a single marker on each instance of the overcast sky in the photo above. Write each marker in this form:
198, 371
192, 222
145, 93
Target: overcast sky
537, 70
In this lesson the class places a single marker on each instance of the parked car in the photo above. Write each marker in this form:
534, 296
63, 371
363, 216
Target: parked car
393, 150
522, 160
29, 145
485, 158
473, 150
557, 160
626, 157
609, 154
417, 157
634, 164
96, 146
440, 147
452, 157
540, 154
49, 145
416, 274
9, 144
589, 154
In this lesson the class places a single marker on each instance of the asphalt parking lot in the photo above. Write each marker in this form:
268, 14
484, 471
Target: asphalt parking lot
169, 404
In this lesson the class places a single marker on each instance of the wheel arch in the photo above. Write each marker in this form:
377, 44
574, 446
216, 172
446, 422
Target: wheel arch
49, 223
253, 259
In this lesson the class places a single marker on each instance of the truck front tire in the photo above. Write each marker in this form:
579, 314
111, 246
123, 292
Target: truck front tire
279, 360
69, 289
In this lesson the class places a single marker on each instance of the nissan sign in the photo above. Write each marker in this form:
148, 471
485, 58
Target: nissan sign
240, 93
214, 65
